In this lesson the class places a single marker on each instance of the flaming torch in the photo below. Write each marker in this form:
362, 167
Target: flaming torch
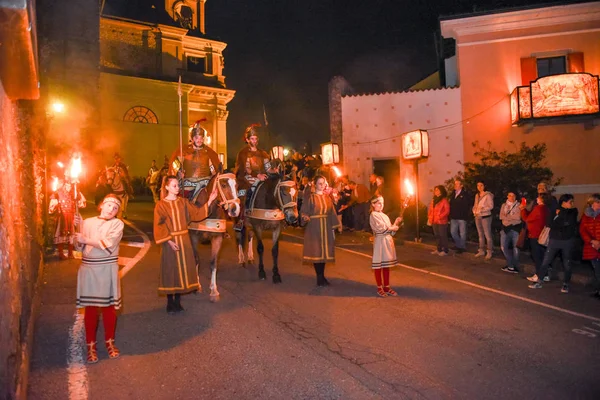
75, 171
54, 184
337, 171
411, 193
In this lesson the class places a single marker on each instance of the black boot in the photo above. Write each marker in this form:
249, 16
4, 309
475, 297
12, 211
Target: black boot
177, 303
320, 271
170, 304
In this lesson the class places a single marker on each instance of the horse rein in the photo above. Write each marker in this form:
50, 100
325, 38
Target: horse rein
230, 178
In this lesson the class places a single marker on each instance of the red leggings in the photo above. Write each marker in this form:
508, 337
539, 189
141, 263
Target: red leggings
382, 274
109, 318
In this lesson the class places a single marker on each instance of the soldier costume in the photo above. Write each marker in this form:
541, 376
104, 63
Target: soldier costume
197, 165
250, 163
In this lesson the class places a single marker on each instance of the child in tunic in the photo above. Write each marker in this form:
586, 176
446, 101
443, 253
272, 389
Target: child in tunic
172, 214
384, 252
98, 284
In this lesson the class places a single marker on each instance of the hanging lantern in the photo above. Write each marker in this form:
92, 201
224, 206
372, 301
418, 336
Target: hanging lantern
330, 153
277, 152
415, 144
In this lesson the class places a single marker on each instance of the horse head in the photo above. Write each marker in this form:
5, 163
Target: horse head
226, 187
285, 194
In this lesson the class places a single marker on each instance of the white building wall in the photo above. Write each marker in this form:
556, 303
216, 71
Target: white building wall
372, 126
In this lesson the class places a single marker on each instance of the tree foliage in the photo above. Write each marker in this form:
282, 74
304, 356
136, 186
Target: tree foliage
518, 171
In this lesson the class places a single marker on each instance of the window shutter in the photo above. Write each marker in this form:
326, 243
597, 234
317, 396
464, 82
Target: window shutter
575, 62
528, 70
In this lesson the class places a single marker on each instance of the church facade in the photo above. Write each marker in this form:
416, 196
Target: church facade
144, 50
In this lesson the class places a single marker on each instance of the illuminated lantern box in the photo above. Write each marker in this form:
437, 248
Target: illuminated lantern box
415, 145
330, 153
555, 96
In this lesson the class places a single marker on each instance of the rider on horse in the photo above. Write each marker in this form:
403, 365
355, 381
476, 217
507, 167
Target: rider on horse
200, 163
122, 170
252, 165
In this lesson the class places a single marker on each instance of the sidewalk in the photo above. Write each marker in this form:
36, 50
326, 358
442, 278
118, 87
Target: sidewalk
582, 271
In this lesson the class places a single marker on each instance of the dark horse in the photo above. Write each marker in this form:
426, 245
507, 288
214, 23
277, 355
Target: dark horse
272, 203
214, 227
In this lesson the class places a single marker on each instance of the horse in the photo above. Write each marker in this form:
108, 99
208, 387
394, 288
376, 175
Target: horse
116, 180
245, 237
272, 203
214, 227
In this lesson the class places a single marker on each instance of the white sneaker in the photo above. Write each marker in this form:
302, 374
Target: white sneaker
435, 252
533, 278
480, 253
547, 278
488, 256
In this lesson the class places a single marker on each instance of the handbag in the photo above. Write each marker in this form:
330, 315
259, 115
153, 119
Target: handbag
544, 237
522, 238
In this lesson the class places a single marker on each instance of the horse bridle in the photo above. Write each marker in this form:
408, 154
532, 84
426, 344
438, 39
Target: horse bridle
277, 194
224, 198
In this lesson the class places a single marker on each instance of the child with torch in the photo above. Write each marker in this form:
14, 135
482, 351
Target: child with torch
384, 251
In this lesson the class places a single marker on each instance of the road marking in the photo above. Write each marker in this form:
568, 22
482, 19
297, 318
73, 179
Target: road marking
77, 372
133, 244
133, 261
475, 285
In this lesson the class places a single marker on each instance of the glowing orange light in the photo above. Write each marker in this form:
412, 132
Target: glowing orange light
75, 167
409, 187
337, 171
55, 184
61, 165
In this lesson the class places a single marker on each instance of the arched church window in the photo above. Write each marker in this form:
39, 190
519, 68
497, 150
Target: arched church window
140, 114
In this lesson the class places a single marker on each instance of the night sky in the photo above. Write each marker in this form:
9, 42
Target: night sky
282, 53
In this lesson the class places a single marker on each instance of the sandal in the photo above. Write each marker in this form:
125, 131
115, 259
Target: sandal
380, 292
92, 353
389, 291
113, 352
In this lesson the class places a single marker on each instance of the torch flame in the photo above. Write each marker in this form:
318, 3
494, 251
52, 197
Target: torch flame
76, 167
61, 165
55, 184
337, 171
409, 187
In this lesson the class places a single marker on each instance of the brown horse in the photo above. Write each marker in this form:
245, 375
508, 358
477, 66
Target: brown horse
214, 227
272, 203
116, 180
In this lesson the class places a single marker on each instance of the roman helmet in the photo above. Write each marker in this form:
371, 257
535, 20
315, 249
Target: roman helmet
251, 130
197, 130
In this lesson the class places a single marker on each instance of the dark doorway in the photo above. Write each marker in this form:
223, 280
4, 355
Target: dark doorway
389, 169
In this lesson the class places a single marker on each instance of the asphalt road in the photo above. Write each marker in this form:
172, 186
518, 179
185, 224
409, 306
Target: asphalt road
460, 329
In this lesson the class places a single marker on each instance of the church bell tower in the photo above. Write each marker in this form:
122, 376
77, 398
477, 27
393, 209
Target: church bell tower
188, 14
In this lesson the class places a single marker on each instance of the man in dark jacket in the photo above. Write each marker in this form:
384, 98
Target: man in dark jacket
460, 210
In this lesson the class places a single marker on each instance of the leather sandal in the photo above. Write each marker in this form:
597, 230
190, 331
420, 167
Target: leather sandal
92, 353
389, 291
380, 292
113, 352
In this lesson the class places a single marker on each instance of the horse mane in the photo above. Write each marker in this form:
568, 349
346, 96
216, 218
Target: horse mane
264, 196
214, 211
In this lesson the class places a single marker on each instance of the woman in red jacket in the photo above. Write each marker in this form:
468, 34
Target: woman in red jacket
589, 228
437, 216
536, 220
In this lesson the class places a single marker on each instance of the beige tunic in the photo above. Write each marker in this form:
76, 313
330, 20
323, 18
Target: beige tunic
384, 252
98, 281
178, 273
319, 239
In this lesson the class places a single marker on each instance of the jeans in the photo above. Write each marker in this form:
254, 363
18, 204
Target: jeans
537, 253
440, 231
458, 230
484, 230
596, 266
508, 240
566, 248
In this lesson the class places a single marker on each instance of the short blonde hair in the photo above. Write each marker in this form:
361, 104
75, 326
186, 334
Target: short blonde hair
593, 198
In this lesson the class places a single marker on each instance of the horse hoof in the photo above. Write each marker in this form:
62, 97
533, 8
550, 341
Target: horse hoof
242, 264
276, 279
262, 276
251, 261
214, 299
